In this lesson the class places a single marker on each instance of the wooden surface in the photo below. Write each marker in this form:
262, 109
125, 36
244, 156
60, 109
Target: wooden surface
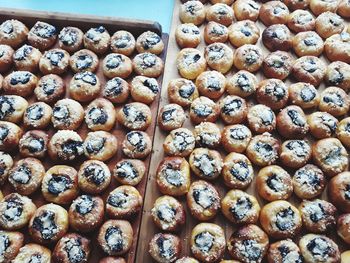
85, 22
152, 193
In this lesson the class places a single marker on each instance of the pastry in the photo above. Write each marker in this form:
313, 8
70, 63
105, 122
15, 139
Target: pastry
97, 39
308, 182
328, 24
301, 20
343, 8
6, 163
135, 116
233, 109
211, 84
137, 144
84, 86
37, 116
116, 90
171, 116
33, 253
12, 108
6, 58
54, 61
148, 64
49, 88
10, 135
182, 91
207, 134
67, 114
335, 101
129, 171
65, 145
243, 32
277, 37
116, 65
319, 6
272, 93
277, 65
261, 119
93, 177
243, 84
246, 9
11, 242
263, 149
295, 153
304, 95
179, 142
165, 247
100, 145
273, 12
337, 47
343, 222
190, 63
70, 39
215, 32
219, 57
42, 35
123, 42
205, 163
309, 69
26, 58
284, 251
248, 57
343, 131
292, 123
337, 74
192, 12
307, 43
220, 13
149, 42
100, 115
322, 124
33, 144
204, 109
338, 191
83, 60
20, 83
13, 33
144, 89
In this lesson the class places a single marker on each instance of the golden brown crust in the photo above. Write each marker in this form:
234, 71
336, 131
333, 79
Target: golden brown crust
309, 69
15, 242
21, 83
93, 176
277, 65
248, 57
137, 144
179, 142
277, 37
42, 35
284, 251
135, 116
123, 42
272, 93
274, 12
220, 13
148, 64
13, 135
97, 39
292, 123
338, 189
165, 247
308, 182
303, 95
204, 109
261, 119
205, 163
301, 20
37, 116
33, 252
322, 124
215, 32
219, 57
246, 9
49, 88
54, 61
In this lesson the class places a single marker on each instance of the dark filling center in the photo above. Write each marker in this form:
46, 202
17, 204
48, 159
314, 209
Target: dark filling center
58, 184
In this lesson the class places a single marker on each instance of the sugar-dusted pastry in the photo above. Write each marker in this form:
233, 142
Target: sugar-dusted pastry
343, 229
100, 145
204, 109
246, 9
54, 61
20, 83
135, 116
243, 84
84, 86
6, 58
144, 89
308, 182
182, 91
37, 116
335, 101
220, 13
301, 20
123, 42
129, 171
261, 119
211, 84
137, 144
304, 95
207, 134
165, 247
171, 116
205, 163
309, 69
11, 134
33, 253
337, 47
292, 122
343, 131
49, 88
67, 114
100, 115
277, 65
284, 251
328, 24
83, 60
12, 108
65, 145
243, 32
338, 191
322, 124
149, 42
6, 163
273, 12
272, 93
192, 12
148, 64
97, 39
116, 65
308, 43
70, 39
295, 153
13, 33
215, 32
248, 57
116, 90
33, 144
277, 37
42, 35
11, 242
219, 57
337, 74
94, 176
27, 58
179, 142
319, 6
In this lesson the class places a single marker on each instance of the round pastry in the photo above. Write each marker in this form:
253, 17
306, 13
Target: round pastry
190, 63
33, 144
171, 116
318, 215
26, 58
240, 208
235, 138
263, 149
165, 247
129, 171
297, 4
295, 153
277, 37
215, 32
343, 131
322, 124
6, 57
33, 253
335, 101
37, 116
261, 119
182, 91
42, 35
173, 176
205, 163
248, 57
207, 134
344, 8
272, 93
67, 114
72, 248
307, 43
149, 42
304, 95
280, 219
188, 35
284, 251
135, 116
48, 224
211, 84
10, 135
26, 175
60, 184
219, 57
248, 244
309, 69
330, 155
308, 182
65, 145
144, 89
116, 90
11, 242
168, 214
220, 13
93, 176
13, 33
277, 65
337, 74
20, 83
16, 211
148, 64
192, 12
84, 86
233, 109
70, 39
243, 84
328, 24
274, 12
116, 65
115, 237
338, 191
237, 171
54, 61
318, 248
243, 32
337, 47
319, 6
292, 123
83, 60
100, 115
123, 202
204, 109
86, 213
100, 145
207, 242
203, 200
137, 144
49, 88
97, 39
274, 183
123, 42
179, 142
301, 20
246, 9
343, 230
12, 108
6, 163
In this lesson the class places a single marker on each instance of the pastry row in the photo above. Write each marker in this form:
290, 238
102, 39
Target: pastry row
249, 243
44, 35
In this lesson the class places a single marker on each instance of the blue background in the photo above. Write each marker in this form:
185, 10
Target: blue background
156, 10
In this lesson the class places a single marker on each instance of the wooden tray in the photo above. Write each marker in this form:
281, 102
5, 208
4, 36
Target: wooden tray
152, 192
84, 22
